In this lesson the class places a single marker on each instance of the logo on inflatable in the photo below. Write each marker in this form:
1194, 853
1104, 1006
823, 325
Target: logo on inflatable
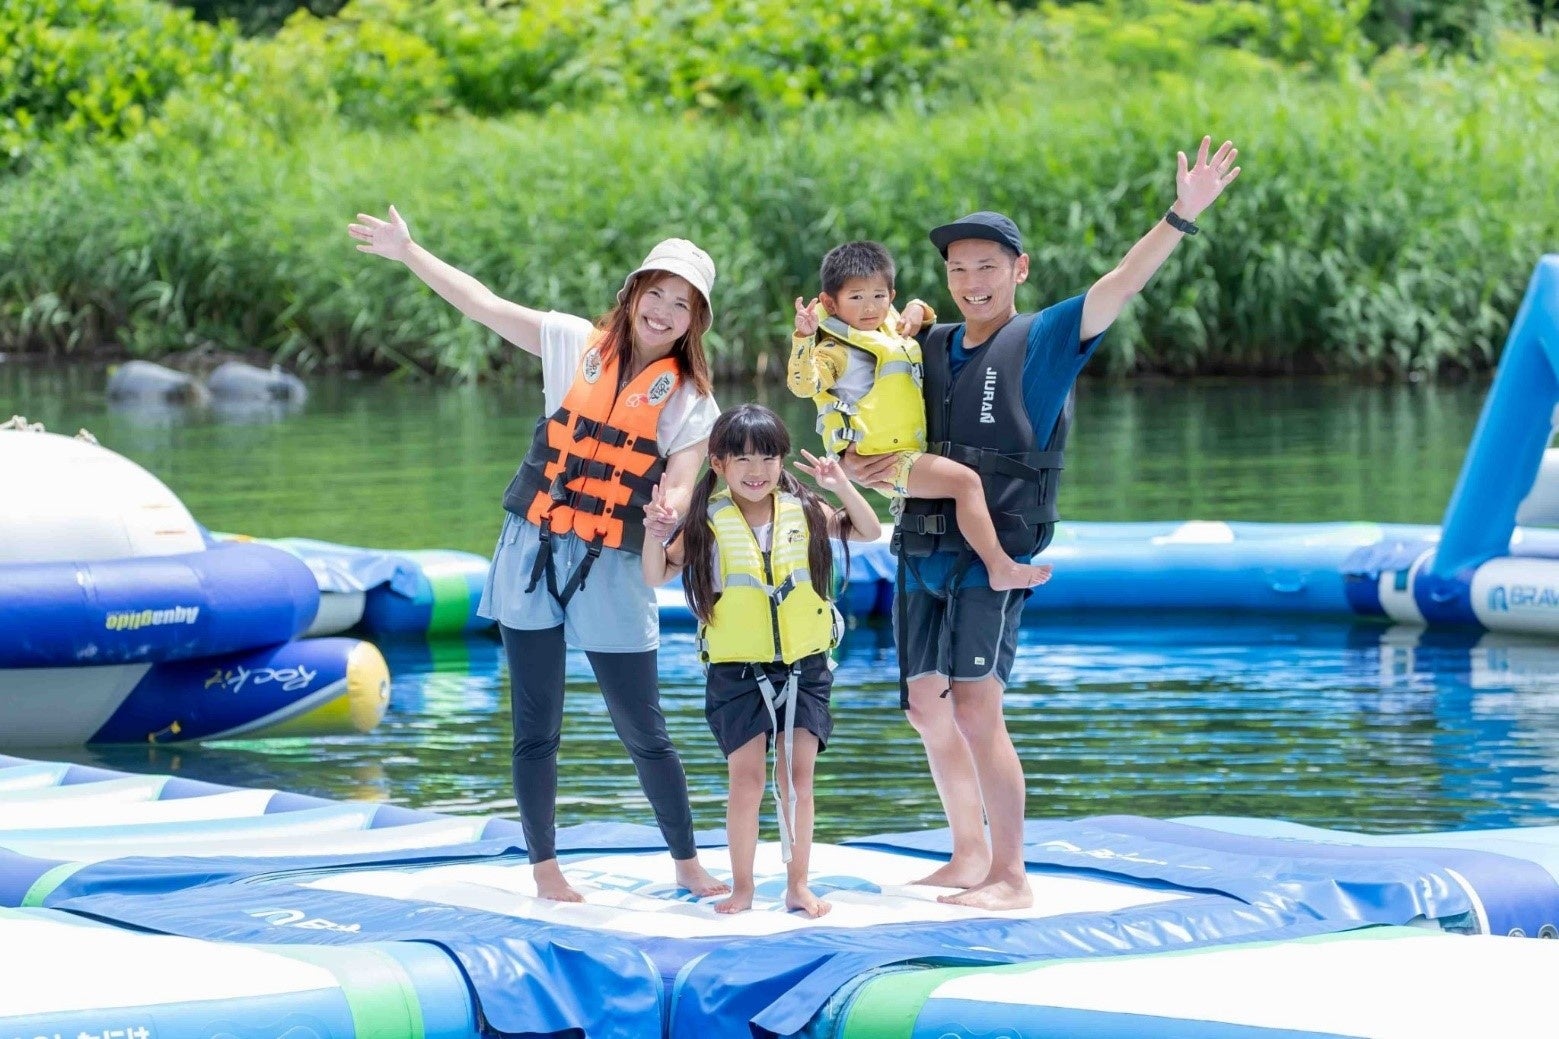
298, 918
1519, 596
132, 620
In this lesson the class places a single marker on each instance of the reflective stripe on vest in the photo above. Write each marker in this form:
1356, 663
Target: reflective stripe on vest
594, 461
761, 598
891, 416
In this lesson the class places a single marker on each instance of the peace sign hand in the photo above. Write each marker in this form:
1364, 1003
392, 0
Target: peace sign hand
806, 317
660, 517
388, 238
825, 472
1198, 185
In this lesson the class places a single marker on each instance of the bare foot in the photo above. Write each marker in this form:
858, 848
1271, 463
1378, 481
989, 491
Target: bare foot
694, 877
551, 884
801, 899
959, 873
739, 902
1019, 575
995, 894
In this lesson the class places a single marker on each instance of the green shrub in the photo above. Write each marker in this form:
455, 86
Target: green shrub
1356, 240
93, 70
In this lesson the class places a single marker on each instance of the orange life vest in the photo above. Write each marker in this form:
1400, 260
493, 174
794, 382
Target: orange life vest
594, 461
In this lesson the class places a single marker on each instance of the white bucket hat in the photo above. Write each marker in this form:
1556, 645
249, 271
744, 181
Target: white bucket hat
684, 259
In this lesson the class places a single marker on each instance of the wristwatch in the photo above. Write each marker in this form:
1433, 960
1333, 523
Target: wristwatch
1180, 223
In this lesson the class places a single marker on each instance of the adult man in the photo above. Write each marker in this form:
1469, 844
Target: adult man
997, 387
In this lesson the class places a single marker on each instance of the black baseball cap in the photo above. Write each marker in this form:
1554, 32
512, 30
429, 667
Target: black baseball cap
992, 227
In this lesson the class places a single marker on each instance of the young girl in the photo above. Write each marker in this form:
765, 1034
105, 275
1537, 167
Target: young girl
758, 570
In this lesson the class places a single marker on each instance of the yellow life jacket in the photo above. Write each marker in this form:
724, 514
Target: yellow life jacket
892, 415
767, 609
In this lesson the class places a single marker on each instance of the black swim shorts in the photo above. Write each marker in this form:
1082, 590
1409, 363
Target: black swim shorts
733, 704
964, 636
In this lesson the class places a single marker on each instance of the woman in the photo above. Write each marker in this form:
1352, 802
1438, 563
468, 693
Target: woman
629, 407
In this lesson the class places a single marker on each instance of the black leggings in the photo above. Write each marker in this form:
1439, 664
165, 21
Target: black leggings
629, 684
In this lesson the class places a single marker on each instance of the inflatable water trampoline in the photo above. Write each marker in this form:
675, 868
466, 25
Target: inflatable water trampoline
191, 909
122, 625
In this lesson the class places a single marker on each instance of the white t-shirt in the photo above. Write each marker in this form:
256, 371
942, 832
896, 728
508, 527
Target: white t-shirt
684, 421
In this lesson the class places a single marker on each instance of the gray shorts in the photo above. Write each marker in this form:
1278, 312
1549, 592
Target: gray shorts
615, 611
963, 636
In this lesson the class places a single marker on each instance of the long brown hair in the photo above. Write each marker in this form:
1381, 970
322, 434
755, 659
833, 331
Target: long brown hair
616, 326
752, 429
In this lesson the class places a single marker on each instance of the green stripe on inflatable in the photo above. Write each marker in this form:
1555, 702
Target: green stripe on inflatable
450, 656
45, 885
451, 601
888, 1006
381, 995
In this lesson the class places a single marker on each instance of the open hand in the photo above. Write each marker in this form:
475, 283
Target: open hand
1198, 186
388, 238
825, 472
806, 317
660, 518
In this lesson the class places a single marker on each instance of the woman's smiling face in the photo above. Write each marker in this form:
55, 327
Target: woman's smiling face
663, 312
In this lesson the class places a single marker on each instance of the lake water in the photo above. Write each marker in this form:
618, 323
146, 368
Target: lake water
1355, 726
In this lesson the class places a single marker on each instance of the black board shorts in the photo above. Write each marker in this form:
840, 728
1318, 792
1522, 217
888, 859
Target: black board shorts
963, 636
733, 703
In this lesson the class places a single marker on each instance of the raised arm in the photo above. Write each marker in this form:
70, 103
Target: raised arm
864, 524
1196, 187
392, 239
814, 367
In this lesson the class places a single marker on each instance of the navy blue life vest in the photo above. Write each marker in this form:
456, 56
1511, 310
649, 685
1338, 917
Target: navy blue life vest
979, 419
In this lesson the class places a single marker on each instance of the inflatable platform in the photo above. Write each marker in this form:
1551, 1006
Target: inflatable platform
349, 920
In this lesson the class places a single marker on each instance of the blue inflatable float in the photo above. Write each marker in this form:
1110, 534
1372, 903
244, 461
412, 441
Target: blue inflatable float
121, 624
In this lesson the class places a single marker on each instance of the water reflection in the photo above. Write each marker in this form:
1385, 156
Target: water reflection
1357, 726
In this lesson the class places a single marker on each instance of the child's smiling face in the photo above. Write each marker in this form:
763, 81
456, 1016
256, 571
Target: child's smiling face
861, 303
751, 477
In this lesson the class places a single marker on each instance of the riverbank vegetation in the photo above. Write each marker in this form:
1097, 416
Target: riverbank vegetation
169, 181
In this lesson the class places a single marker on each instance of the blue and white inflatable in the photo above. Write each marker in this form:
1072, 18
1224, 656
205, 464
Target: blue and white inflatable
121, 625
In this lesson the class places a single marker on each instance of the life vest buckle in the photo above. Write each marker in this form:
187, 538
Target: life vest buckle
922, 524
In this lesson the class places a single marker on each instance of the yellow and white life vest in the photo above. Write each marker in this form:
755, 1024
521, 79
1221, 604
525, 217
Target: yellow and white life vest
892, 415
767, 609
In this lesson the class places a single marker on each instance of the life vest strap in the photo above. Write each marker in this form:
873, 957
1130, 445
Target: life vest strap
612, 436
1030, 467
545, 565
921, 523
581, 573
776, 700
776, 595
799, 576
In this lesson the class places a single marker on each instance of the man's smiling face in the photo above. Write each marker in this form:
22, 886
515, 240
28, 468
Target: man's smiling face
983, 278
